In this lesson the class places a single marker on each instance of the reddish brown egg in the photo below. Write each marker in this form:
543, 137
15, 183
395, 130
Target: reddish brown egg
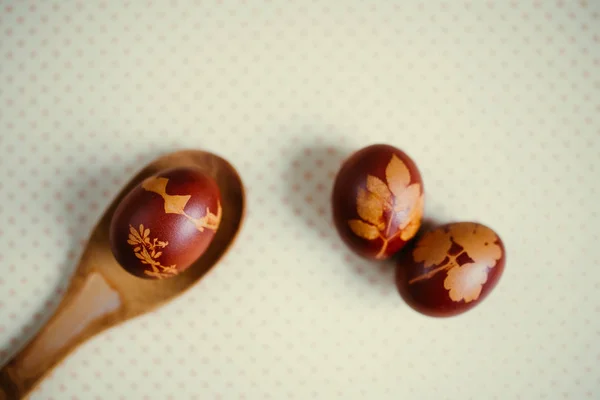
450, 269
377, 201
166, 223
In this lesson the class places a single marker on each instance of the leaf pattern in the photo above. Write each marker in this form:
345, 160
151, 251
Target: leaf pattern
146, 252
433, 248
380, 189
402, 202
414, 220
463, 282
370, 208
405, 203
478, 241
175, 204
397, 175
364, 230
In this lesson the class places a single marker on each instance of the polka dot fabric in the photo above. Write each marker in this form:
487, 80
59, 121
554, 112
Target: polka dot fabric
498, 103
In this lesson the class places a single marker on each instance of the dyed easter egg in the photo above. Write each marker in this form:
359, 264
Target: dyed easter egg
377, 201
166, 223
451, 269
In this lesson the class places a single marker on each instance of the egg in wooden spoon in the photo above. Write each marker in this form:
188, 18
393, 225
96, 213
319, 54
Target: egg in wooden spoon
103, 294
166, 222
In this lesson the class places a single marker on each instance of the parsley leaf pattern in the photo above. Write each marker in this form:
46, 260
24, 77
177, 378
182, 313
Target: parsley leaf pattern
463, 282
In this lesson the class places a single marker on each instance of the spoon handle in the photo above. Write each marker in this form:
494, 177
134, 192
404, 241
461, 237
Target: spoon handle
89, 306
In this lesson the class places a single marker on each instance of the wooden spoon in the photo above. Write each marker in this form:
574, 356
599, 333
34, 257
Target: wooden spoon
102, 294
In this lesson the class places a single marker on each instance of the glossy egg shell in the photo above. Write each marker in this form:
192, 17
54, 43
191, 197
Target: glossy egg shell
165, 223
377, 201
449, 270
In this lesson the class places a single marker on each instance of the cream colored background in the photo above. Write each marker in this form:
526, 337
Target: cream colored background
497, 102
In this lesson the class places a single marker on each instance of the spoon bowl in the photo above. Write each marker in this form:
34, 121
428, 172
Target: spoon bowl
102, 294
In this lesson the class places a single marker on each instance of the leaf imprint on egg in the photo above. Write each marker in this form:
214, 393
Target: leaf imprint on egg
382, 203
147, 251
463, 282
175, 204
